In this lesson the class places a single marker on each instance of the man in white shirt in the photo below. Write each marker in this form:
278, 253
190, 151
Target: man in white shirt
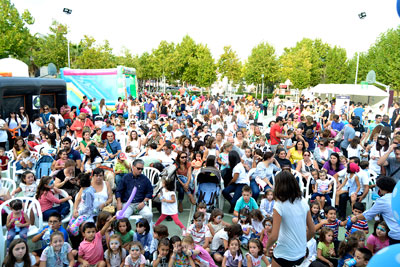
167, 156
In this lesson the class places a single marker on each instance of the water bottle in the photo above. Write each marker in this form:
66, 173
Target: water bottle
350, 263
46, 236
17, 229
349, 224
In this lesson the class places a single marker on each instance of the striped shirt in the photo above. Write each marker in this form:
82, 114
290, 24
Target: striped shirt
335, 227
360, 225
198, 236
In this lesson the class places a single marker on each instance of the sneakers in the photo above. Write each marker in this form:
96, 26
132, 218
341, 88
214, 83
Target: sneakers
322, 214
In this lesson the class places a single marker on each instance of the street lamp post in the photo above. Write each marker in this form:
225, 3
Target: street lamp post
262, 92
68, 11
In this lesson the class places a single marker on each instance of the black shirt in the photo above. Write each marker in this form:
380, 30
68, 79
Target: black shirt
70, 188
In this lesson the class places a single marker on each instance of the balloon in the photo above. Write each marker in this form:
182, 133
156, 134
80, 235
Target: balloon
388, 256
121, 213
398, 7
396, 202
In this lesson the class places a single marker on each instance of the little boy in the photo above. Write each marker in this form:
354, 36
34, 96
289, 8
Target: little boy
245, 201
25, 160
262, 145
202, 207
360, 225
362, 257
121, 167
91, 249
159, 232
331, 222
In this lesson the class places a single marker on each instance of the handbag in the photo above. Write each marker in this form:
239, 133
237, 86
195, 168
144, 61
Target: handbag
109, 208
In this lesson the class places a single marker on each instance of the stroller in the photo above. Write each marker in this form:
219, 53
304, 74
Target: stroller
208, 188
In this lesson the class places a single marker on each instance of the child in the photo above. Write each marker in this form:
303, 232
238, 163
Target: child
85, 208
115, 255
223, 156
247, 158
58, 253
199, 230
321, 189
233, 257
245, 201
198, 253
25, 160
159, 232
262, 145
18, 255
60, 163
124, 230
326, 248
267, 203
354, 149
169, 207
102, 219
346, 250
314, 209
143, 235
202, 207
197, 163
362, 257
216, 223
255, 254
360, 225
256, 223
360, 236
219, 242
245, 222
379, 238
267, 223
163, 254
351, 184
310, 139
331, 222
121, 167
3, 160
178, 258
135, 257
91, 248
46, 198
28, 185
17, 222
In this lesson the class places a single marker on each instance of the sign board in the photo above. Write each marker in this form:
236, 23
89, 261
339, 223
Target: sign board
342, 104
35, 102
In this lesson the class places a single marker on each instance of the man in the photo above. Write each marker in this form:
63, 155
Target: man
396, 116
276, 134
108, 127
168, 156
148, 107
349, 134
336, 124
144, 193
392, 164
378, 121
113, 147
383, 206
72, 154
358, 111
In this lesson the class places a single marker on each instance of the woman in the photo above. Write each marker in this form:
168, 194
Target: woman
306, 165
52, 131
239, 138
19, 146
91, 160
13, 124
24, 118
45, 115
70, 134
322, 152
86, 142
293, 225
333, 165
184, 182
281, 158
66, 178
103, 196
120, 106
378, 150
49, 147
72, 113
154, 137
239, 179
242, 120
134, 142
310, 124
102, 107
3, 132
219, 138
265, 171
331, 145
296, 153
163, 110
57, 118
79, 124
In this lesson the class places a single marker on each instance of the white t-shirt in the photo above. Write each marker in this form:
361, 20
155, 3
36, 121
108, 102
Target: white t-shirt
292, 232
218, 240
3, 133
363, 177
322, 185
21, 264
168, 208
242, 179
354, 152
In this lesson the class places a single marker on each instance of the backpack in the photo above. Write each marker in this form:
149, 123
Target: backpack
43, 166
61, 123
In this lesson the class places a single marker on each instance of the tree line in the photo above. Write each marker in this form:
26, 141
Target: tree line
307, 64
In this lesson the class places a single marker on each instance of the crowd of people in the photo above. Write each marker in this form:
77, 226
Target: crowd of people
288, 182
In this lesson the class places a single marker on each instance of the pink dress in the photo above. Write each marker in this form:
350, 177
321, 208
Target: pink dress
204, 256
265, 238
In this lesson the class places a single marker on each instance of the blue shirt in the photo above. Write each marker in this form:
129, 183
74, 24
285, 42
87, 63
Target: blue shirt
113, 147
359, 112
337, 125
74, 155
349, 133
46, 237
251, 205
125, 187
106, 128
148, 107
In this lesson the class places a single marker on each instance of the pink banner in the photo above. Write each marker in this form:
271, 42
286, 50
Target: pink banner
91, 72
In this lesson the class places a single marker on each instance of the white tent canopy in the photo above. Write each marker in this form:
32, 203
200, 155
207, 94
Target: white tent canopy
348, 89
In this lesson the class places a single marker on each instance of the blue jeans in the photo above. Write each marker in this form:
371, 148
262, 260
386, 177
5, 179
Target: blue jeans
181, 190
23, 233
63, 209
254, 189
327, 197
237, 190
118, 178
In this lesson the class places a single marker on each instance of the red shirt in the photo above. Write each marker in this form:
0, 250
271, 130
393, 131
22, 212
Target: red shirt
274, 139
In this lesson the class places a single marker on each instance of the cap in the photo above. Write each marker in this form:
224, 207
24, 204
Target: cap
122, 156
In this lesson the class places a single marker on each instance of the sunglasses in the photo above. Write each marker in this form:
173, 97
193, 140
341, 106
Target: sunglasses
139, 169
135, 249
184, 157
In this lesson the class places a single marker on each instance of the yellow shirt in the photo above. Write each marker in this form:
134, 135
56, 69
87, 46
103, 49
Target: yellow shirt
295, 156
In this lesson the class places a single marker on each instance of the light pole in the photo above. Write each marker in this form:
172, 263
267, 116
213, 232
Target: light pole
68, 11
362, 15
262, 92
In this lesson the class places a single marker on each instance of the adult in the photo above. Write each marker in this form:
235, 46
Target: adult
45, 115
396, 116
333, 165
306, 165
148, 108
276, 134
104, 195
358, 111
296, 153
134, 142
293, 225
113, 147
349, 134
57, 117
108, 127
102, 108
14, 124
383, 207
91, 160
86, 141
336, 124
24, 118
64, 111
265, 171
154, 137
184, 183
79, 124
378, 121
168, 155
53, 132
392, 164
322, 152
281, 157
72, 153
3, 132
66, 178
239, 179
144, 193
377, 151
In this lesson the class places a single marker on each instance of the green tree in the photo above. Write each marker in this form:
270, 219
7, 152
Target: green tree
15, 40
205, 66
262, 60
145, 69
52, 48
163, 58
127, 59
184, 51
337, 66
95, 56
229, 65
296, 66
363, 67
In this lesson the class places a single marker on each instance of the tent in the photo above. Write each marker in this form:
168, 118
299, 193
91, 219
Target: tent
369, 94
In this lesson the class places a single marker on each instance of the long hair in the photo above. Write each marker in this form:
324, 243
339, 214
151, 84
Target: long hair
286, 187
10, 259
336, 155
94, 153
118, 238
234, 159
385, 146
42, 186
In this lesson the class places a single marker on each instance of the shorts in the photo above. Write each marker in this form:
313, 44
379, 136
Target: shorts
286, 263
220, 250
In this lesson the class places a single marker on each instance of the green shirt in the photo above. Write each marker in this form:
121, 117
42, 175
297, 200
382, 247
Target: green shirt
325, 250
120, 167
128, 237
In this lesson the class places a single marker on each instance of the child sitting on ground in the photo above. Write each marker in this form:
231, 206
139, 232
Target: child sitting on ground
245, 201
199, 255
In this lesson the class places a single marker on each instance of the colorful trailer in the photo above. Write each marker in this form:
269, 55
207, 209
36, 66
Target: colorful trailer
99, 83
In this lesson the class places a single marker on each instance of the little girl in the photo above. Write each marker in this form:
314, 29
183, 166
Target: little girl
163, 254
85, 208
198, 230
255, 254
143, 235
116, 254
178, 258
326, 248
233, 257
245, 222
28, 185
351, 184
219, 242
267, 203
46, 198
223, 156
60, 163
58, 253
102, 219
256, 223
199, 254
267, 223
124, 230
197, 163
247, 158
215, 222
169, 206
379, 238
321, 189
17, 222
18, 255
314, 209
135, 257
346, 250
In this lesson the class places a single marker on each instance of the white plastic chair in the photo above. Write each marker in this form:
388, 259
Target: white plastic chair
9, 184
68, 217
31, 206
10, 155
334, 185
